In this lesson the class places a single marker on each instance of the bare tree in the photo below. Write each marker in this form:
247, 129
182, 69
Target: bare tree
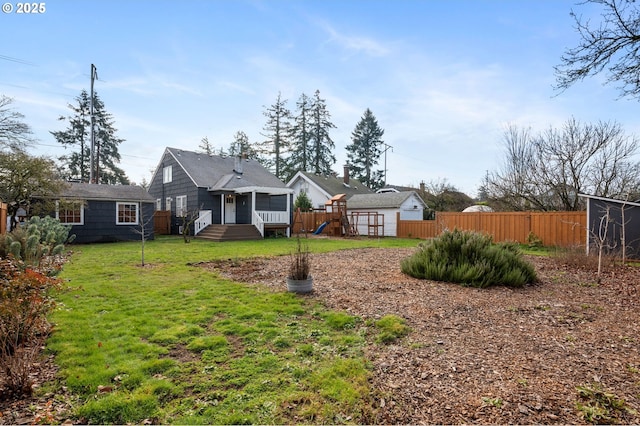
14, 133
612, 45
143, 230
547, 171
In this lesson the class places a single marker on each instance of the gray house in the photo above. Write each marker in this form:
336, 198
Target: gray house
106, 213
320, 188
609, 221
229, 197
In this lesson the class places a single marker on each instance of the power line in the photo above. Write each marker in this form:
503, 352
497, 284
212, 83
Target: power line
17, 60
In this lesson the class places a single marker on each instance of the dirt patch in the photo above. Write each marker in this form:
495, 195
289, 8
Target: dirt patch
499, 355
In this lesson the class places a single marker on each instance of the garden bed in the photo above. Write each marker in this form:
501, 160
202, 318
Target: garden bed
498, 355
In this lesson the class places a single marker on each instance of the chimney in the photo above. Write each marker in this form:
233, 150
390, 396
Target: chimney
422, 188
346, 175
238, 164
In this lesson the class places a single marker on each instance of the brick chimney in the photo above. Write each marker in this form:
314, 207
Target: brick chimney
346, 175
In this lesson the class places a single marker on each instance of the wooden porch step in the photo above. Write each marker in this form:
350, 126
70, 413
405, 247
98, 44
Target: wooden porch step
229, 233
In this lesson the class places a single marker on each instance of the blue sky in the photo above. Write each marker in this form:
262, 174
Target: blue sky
443, 78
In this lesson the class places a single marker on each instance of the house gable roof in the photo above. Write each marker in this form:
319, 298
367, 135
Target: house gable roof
384, 200
87, 191
332, 185
217, 172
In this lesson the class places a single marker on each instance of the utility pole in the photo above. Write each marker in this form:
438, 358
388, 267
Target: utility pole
94, 158
386, 148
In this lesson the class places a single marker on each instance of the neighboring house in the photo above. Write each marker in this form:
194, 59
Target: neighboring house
105, 213
220, 190
407, 204
321, 188
623, 222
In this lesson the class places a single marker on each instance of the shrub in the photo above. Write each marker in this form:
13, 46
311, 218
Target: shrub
471, 259
25, 301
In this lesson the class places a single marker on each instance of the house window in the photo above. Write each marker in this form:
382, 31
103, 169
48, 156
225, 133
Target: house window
70, 212
167, 203
181, 205
158, 203
167, 174
126, 214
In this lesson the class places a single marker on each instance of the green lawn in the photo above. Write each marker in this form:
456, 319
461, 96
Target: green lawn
174, 343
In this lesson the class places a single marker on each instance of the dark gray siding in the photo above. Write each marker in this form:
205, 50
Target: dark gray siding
181, 184
100, 224
243, 208
597, 210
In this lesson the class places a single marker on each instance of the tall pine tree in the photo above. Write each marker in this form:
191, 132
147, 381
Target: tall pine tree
76, 165
300, 158
365, 150
277, 131
322, 145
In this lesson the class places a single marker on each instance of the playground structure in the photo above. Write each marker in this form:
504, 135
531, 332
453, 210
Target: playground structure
335, 221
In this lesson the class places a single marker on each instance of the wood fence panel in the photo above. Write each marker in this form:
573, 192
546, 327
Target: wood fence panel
562, 229
417, 228
308, 221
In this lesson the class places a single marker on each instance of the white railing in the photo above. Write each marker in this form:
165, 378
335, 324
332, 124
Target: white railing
202, 221
258, 223
274, 217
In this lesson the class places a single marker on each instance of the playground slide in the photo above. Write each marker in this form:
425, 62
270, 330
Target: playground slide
320, 228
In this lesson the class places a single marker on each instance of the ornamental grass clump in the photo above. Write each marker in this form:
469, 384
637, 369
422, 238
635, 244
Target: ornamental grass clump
470, 259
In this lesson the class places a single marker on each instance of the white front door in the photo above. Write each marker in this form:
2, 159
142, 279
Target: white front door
230, 209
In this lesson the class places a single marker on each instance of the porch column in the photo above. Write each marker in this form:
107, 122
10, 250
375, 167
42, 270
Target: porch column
222, 206
288, 214
253, 204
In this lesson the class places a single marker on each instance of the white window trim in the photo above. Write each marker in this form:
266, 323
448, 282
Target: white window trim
158, 203
167, 202
167, 174
71, 223
119, 203
181, 205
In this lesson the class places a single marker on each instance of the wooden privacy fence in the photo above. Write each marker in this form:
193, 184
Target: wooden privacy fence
561, 229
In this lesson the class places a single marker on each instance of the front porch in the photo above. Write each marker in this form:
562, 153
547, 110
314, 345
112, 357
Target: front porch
264, 223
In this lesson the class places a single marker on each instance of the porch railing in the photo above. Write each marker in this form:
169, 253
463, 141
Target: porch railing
273, 217
258, 222
202, 221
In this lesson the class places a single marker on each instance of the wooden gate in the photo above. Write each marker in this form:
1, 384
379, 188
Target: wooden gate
162, 222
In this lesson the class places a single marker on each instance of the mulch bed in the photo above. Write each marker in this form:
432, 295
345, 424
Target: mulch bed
498, 355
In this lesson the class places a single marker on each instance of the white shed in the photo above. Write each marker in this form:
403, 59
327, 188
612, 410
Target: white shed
407, 203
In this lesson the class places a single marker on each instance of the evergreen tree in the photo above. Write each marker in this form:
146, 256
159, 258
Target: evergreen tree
242, 146
322, 145
365, 150
205, 146
277, 131
300, 158
77, 136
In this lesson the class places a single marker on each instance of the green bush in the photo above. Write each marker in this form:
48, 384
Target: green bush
471, 259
